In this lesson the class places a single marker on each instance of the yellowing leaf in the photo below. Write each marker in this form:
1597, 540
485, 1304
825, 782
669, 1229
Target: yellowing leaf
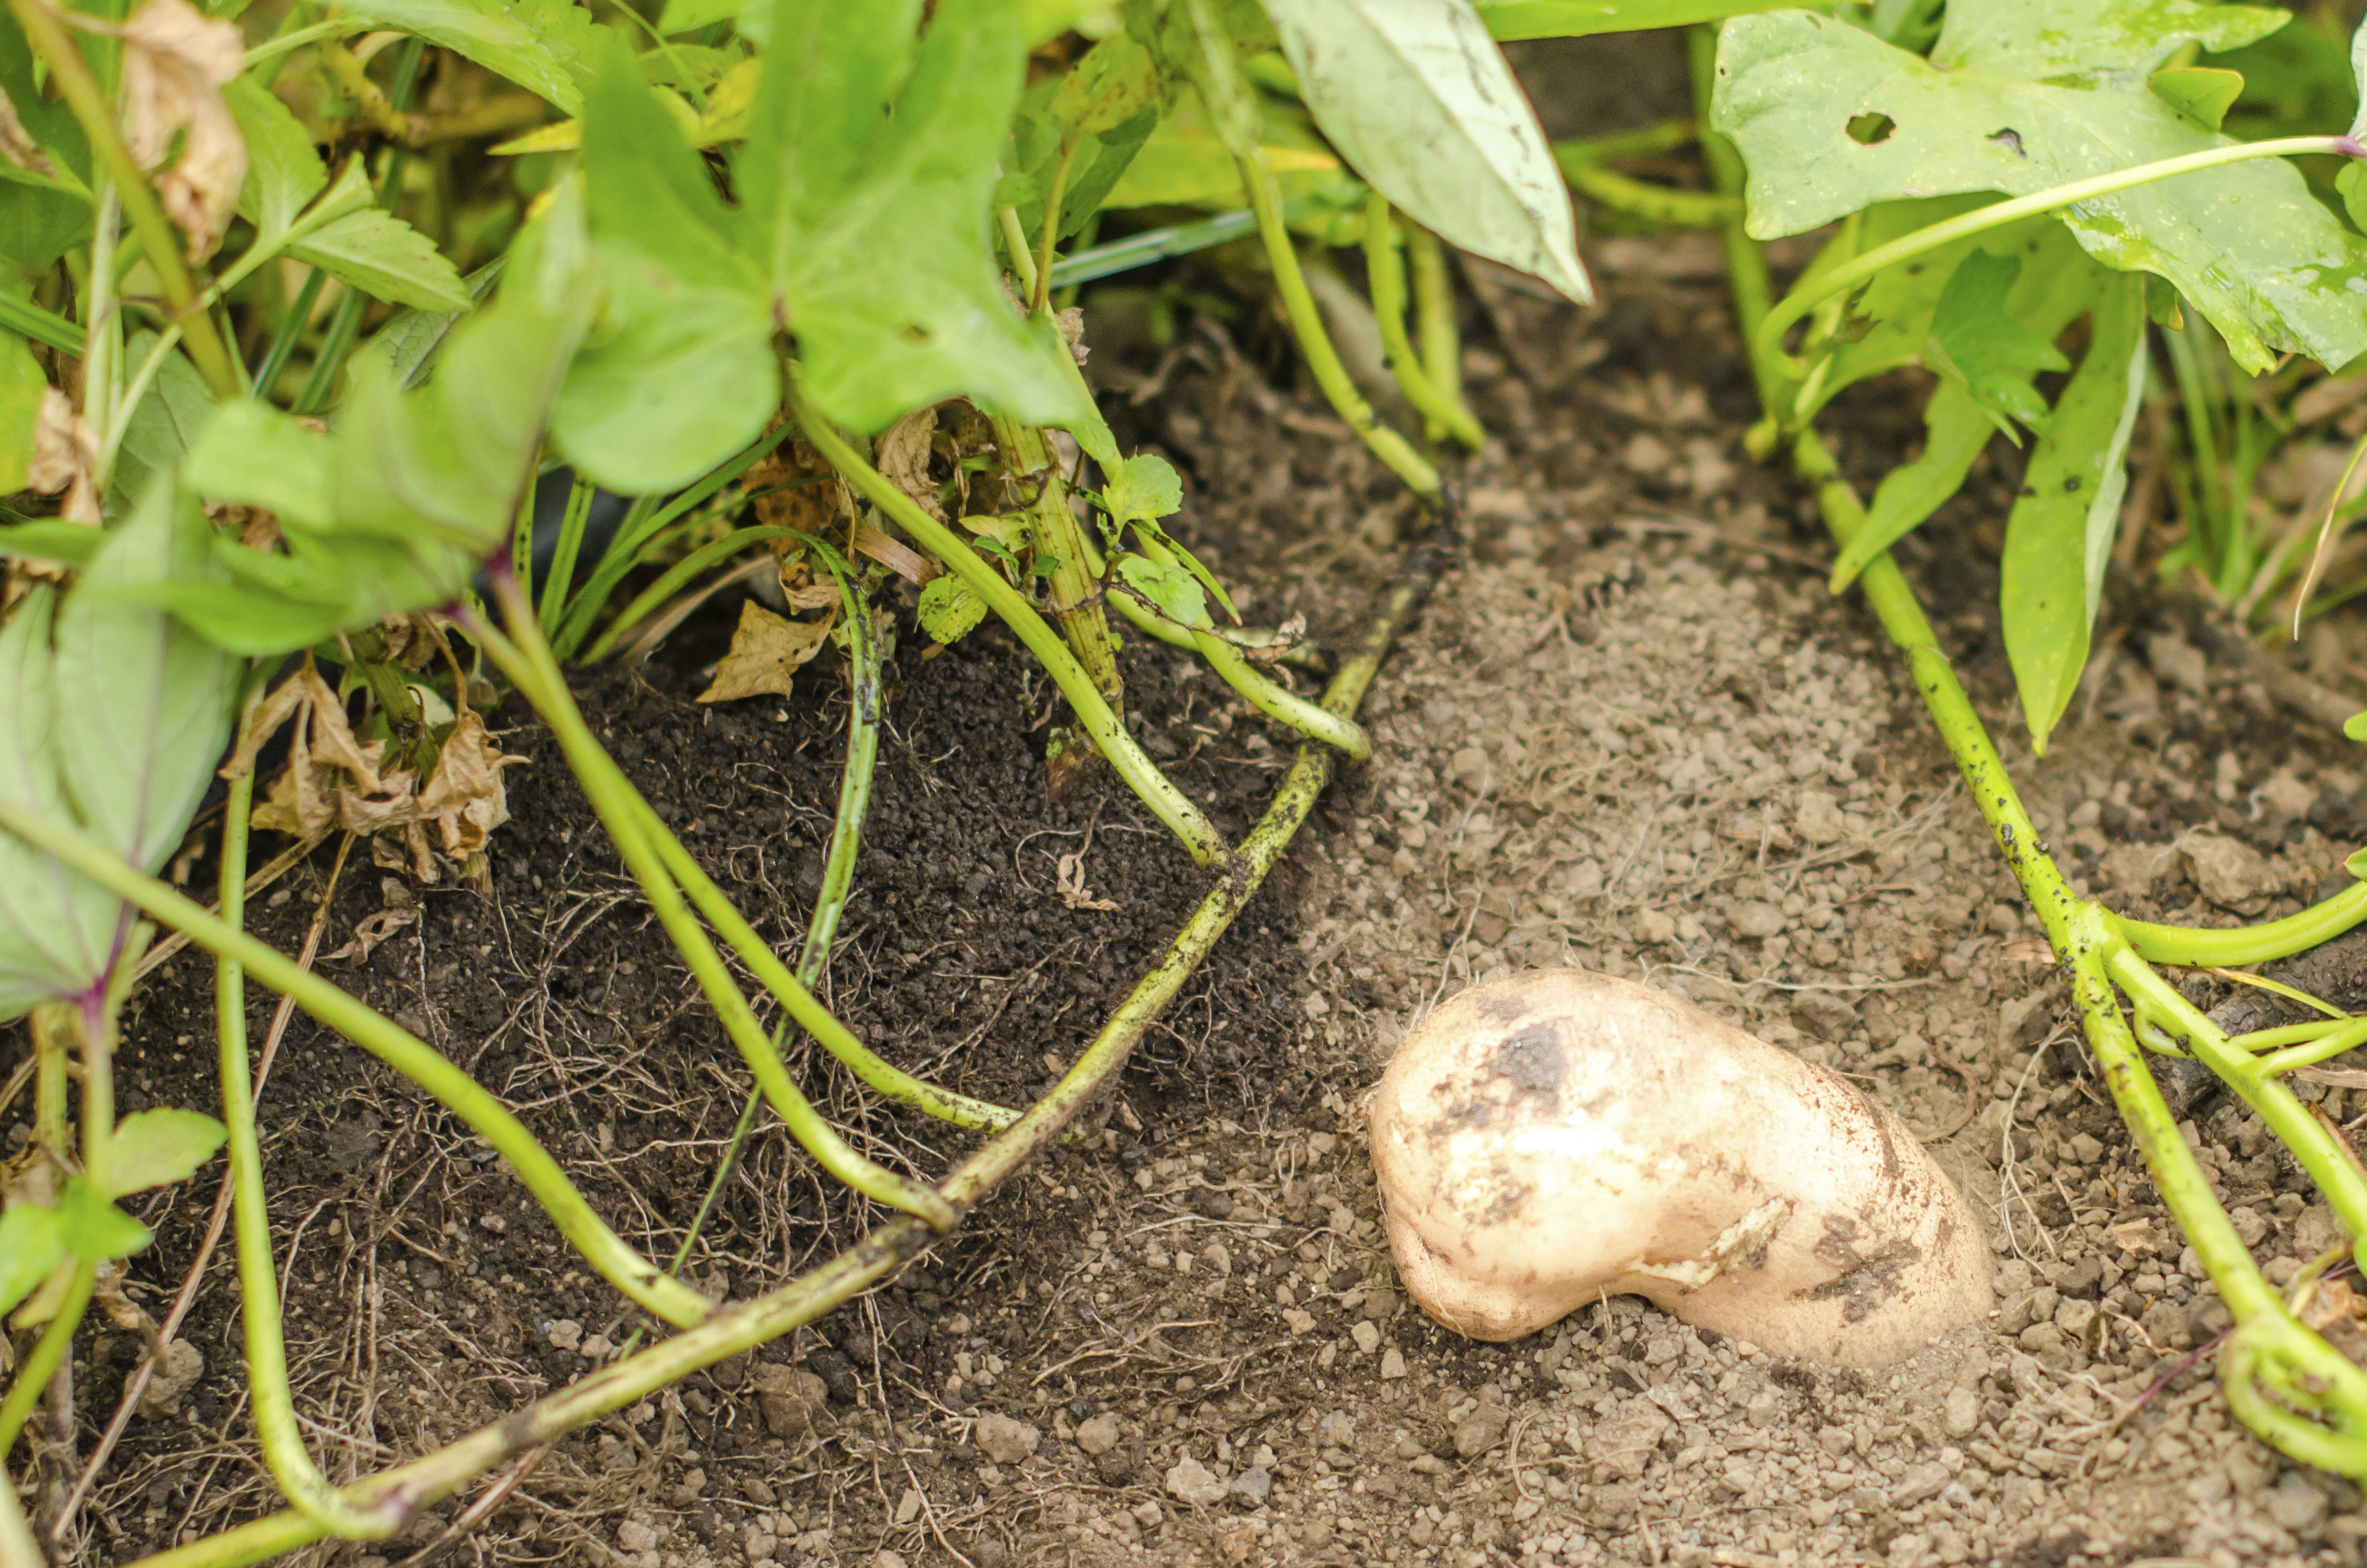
766, 650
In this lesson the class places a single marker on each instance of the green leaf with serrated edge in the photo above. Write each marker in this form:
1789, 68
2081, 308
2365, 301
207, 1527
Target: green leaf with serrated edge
1955, 429
2355, 727
111, 718
55, 928
1975, 341
2058, 540
94, 1229
684, 375
1420, 101
1508, 21
545, 46
155, 1147
259, 457
949, 611
2021, 96
283, 171
1095, 169
22, 385
2202, 93
30, 1247
865, 203
410, 339
1203, 42
1173, 592
386, 258
393, 511
176, 405
143, 704
1145, 487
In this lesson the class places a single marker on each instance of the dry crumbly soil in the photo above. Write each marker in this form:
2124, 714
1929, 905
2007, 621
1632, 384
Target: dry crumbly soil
1632, 732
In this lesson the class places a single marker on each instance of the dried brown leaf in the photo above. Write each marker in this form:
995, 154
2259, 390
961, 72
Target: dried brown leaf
372, 929
65, 454
1073, 892
16, 143
895, 555
904, 457
766, 650
175, 63
465, 798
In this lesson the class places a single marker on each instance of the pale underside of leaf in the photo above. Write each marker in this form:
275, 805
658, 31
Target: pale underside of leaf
1421, 102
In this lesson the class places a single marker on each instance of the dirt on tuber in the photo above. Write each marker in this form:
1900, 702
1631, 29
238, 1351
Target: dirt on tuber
1551, 1137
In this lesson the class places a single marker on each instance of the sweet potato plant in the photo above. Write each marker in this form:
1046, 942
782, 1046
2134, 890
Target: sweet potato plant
355, 356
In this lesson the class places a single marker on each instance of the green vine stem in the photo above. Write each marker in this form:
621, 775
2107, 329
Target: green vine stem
1384, 275
1767, 340
885, 1251
2270, 1348
638, 835
48, 1353
1433, 316
1094, 714
157, 240
2250, 944
2281, 1379
1030, 470
1306, 325
1313, 719
1652, 203
275, 1427
337, 1009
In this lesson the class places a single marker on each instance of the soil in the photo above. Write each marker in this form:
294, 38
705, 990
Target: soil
1631, 734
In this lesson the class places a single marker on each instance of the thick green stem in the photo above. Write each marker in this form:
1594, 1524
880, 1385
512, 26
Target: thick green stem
1041, 284
1306, 325
1434, 314
1652, 203
2250, 944
1385, 274
48, 1353
1768, 340
163, 247
396, 1047
637, 833
276, 1427
1031, 471
1166, 802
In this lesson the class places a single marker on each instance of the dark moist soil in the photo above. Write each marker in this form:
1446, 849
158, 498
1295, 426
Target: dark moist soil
429, 1294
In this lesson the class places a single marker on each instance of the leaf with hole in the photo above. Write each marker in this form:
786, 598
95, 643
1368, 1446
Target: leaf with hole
2021, 96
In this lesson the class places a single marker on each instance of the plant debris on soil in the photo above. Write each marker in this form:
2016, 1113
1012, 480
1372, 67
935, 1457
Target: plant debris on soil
1632, 734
